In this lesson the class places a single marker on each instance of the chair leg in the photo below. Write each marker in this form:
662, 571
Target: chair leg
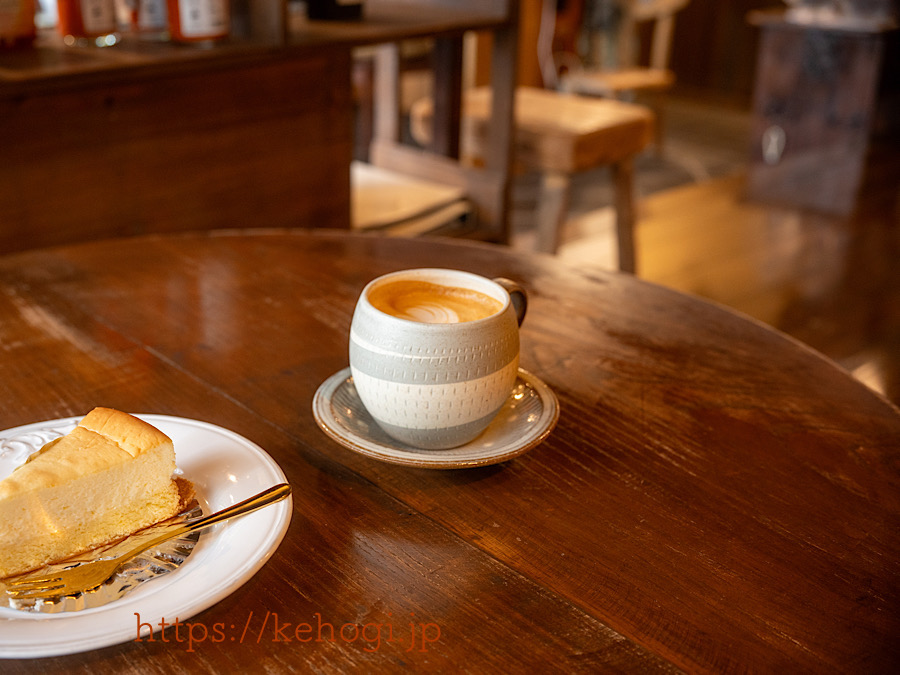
553, 207
623, 178
659, 127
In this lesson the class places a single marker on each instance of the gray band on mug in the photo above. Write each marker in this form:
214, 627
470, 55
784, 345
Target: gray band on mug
433, 439
443, 369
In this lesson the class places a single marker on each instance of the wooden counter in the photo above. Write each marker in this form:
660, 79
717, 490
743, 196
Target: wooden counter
142, 137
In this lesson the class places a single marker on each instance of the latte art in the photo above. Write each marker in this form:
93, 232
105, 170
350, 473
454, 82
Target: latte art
425, 302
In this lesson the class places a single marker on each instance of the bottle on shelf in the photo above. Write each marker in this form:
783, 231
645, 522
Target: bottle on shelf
150, 19
17, 28
88, 22
199, 21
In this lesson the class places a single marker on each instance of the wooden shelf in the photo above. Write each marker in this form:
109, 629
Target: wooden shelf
50, 63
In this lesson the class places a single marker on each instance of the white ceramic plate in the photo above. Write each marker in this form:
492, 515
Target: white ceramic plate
225, 468
529, 415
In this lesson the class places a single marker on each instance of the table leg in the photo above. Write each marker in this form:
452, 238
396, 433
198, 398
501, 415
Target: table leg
553, 206
623, 179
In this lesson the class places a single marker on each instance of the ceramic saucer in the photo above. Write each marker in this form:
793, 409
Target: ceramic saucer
526, 419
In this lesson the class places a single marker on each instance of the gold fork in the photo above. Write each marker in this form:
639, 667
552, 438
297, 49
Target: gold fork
92, 574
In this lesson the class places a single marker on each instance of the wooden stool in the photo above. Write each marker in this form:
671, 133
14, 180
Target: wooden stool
560, 135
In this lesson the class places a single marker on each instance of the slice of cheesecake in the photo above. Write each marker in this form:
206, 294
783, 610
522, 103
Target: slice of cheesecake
109, 477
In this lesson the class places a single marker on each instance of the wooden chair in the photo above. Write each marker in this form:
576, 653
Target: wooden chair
556, 135
486, 187
629, 75
560, 135
397, 204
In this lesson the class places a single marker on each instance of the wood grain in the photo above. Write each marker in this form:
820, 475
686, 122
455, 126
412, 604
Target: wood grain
354, 554
226, 148
716, 497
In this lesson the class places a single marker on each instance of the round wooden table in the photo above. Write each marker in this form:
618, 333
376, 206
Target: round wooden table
715, 497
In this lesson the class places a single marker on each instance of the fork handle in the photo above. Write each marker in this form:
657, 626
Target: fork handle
273, 494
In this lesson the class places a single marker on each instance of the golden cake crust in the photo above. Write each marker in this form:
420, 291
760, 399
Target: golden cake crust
109, 477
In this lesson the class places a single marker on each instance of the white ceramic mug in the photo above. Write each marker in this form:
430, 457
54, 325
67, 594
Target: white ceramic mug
434, 353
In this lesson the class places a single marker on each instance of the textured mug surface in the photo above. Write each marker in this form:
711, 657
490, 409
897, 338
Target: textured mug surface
435, 385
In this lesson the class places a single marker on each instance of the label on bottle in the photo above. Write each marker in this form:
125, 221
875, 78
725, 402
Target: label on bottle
98, 16
152, 15
203, 18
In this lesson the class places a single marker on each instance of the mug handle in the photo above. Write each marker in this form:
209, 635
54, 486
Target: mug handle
518, 296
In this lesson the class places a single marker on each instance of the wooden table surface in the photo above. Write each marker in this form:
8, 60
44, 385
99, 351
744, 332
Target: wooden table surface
715, 497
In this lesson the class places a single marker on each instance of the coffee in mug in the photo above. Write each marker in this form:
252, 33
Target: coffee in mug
428, 302
434, 353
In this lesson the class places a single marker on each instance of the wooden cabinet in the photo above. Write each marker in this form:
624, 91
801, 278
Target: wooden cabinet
814, 105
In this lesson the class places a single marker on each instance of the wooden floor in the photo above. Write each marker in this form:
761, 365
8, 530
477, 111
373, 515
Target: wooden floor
832, 282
